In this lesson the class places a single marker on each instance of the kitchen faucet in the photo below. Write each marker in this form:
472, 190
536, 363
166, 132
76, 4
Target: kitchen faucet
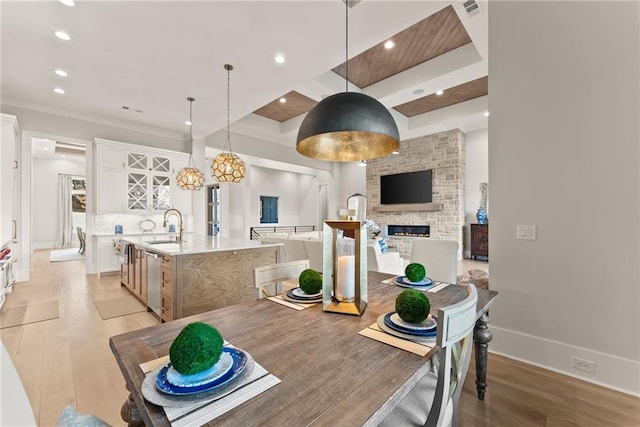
176, 212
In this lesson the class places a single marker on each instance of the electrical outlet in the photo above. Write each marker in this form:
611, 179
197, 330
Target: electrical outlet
582, 364
526, 232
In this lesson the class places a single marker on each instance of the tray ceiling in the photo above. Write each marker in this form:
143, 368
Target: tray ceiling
451, 96
429, 38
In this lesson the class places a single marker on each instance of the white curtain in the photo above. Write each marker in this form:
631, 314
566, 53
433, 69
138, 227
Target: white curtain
65, 220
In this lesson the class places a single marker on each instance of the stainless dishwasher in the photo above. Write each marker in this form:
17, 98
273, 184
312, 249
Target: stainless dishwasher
154, 282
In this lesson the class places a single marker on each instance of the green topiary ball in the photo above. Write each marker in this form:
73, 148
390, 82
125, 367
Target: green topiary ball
196, 348
415, 272
310, 281
412, 306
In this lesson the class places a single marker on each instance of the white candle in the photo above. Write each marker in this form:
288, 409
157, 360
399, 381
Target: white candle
346, 277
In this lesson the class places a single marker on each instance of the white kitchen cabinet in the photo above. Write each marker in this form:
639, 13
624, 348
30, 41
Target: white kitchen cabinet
110, 190
111, 157
131, 178
110, 179
148, 181
109, 259
180, 199
9, 152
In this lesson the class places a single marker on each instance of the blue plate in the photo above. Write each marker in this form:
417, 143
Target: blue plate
239, 363
299, 296
419, 333
405, 283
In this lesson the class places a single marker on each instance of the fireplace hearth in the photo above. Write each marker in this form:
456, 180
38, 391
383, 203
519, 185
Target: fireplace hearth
408, 230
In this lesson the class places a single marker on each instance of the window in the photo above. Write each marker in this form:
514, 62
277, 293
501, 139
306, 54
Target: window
268, 210
213, 210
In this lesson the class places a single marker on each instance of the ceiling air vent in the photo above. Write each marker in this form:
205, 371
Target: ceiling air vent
472, 7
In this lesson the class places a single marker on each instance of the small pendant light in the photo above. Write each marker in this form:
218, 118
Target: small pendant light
189, 177
349, 126
226, 166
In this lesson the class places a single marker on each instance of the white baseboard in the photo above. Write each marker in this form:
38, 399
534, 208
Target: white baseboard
611, 371
43, 245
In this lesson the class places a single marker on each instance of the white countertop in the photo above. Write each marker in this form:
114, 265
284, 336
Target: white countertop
124, 235
196, 243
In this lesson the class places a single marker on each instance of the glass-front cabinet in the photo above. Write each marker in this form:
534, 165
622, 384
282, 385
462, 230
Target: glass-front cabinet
132, 178
148, 182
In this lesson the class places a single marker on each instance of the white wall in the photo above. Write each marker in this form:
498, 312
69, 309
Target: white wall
37, 121
275, 183
564, 155
296, 185
45, 198
476, 171
353, 179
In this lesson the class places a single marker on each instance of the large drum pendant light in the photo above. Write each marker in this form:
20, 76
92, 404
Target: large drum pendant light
349, 126
190, 177
226, 166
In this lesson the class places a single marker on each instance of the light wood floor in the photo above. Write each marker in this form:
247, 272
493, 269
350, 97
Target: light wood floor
67, 361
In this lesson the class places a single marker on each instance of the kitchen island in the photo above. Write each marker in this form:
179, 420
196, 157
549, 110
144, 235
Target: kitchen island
199, 274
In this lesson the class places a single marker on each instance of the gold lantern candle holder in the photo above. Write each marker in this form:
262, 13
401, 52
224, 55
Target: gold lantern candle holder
344, 267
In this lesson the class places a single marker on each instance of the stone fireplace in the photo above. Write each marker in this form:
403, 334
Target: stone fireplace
444, 154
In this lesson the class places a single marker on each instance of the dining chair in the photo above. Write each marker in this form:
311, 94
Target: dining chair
82, 237
439, 257
433, 401
294, 250
273, 274
314, 251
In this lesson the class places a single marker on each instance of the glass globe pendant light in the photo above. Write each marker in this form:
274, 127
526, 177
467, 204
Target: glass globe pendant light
190, 177
348, 126
226, 166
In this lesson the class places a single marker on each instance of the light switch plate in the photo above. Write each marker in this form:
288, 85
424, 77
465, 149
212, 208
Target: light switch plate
526, 232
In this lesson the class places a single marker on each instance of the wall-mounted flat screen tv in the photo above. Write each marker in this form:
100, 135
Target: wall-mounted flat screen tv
409, 187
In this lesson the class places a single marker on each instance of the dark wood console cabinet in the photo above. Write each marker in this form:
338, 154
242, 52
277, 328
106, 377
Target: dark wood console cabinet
479, 240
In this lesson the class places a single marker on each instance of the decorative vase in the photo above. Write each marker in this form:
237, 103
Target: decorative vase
481, 215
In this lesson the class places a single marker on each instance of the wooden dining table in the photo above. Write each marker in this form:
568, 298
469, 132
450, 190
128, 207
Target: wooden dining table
329, 374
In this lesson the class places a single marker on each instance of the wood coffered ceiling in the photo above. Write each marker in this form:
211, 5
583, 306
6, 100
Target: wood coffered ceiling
435, 35
464, 92
431, 37
296, 104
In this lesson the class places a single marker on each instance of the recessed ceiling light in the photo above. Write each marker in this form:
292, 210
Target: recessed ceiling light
440, 92
61, 73
58, 90
63, 155
279, 59
389, 44
62, 35
283, 100
486, 114
69, 3
45, 148
418, 91
188, 123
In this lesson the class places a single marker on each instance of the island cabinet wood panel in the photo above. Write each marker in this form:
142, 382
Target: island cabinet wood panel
213, 280
167, 277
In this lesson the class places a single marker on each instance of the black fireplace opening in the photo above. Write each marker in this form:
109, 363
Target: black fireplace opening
408, 230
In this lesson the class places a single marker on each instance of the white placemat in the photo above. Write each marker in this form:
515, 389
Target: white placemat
200, 409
